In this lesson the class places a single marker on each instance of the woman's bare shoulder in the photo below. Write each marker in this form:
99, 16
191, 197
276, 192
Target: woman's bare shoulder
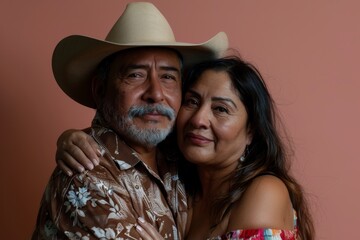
265, 204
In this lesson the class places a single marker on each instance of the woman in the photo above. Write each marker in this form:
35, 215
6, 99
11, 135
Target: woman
240, 187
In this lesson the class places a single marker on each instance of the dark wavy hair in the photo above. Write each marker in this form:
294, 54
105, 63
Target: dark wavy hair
267, 154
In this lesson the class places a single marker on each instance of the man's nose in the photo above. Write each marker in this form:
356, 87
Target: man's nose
154, 91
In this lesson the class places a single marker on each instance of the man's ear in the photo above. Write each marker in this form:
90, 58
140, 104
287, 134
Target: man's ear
98, 89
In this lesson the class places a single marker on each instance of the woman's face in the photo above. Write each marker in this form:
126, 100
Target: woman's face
211, 123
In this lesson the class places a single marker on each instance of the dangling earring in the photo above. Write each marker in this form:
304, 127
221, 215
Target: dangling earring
244, 155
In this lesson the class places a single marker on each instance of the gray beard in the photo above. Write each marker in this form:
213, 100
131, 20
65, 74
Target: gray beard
124, 125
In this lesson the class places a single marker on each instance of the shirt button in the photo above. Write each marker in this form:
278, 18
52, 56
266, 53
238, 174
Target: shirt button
137, 186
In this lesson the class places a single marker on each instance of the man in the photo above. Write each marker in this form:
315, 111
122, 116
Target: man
133, 79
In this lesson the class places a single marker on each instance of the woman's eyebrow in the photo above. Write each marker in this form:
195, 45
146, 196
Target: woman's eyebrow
224, 99
216, 99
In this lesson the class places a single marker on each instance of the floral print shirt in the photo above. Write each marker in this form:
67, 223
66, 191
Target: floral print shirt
104, 203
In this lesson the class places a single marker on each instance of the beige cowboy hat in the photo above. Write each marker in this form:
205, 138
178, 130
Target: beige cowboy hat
76, 57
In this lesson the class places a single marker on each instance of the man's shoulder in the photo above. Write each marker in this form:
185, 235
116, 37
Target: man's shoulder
60, 183
59, 180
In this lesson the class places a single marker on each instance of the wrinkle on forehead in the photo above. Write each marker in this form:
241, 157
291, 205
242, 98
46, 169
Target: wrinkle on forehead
147, 58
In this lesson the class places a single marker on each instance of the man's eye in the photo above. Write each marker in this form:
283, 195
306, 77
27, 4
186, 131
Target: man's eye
134, 75
169, 76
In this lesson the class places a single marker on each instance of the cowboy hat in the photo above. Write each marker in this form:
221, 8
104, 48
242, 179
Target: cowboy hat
76, 57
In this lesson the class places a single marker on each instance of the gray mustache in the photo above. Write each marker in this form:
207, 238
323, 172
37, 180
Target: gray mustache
136, 111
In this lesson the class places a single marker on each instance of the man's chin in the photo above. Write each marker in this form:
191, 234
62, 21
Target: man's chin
149, 136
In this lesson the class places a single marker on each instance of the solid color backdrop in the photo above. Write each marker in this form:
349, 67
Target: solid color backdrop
308, 52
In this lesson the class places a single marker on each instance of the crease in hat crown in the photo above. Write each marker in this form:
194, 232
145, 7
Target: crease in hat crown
141, 22
76, 57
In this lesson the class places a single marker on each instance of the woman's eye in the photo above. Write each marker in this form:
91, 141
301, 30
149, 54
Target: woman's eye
190, 102
221, 109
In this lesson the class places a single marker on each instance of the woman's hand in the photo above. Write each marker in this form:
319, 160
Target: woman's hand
77, 151
147, 231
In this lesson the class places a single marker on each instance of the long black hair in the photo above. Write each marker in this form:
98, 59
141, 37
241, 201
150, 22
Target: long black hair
266, 154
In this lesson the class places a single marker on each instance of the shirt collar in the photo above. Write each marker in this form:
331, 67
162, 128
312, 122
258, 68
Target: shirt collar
122, 154
112, 145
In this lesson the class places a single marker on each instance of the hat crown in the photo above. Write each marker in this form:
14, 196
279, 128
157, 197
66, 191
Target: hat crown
76, 57
141, 22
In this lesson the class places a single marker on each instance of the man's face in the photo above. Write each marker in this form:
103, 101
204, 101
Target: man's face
143, 95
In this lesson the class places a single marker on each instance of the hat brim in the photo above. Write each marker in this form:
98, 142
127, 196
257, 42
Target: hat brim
76, 57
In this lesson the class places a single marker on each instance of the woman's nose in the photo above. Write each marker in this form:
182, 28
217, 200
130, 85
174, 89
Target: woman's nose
201, 118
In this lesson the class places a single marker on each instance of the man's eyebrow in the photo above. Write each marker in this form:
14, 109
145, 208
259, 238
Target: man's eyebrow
143, 66
170, 68
137, 66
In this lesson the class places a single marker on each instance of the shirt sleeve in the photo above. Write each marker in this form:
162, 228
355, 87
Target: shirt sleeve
84, 207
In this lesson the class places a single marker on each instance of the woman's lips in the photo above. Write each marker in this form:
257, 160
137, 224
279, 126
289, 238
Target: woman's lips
198, 139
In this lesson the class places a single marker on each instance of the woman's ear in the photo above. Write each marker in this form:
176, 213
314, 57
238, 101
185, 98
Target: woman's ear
249, 135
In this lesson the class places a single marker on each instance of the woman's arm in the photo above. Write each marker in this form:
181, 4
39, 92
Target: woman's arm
76, 151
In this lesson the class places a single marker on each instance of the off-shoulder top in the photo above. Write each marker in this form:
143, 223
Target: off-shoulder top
261, 234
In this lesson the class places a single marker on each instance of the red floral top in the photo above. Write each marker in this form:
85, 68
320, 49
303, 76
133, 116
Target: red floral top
261, 234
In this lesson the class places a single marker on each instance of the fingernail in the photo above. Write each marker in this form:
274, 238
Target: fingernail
141, 220
69, 173
101, 152
139, 228
95, 161
90, 166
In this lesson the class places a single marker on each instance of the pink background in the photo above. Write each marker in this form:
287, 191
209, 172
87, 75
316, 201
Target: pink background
308, 52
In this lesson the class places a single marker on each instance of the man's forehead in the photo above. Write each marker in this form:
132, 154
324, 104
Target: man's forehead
146, 55
148, 52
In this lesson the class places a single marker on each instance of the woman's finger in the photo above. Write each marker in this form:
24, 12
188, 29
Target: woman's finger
80, 146
64, 168
67, 161
142, 232
150, 231
89, 147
